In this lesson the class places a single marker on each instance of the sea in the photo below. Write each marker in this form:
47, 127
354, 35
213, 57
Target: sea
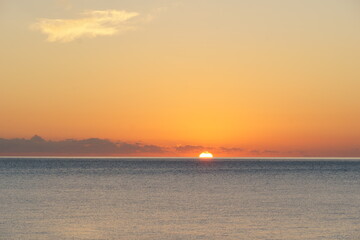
179, 198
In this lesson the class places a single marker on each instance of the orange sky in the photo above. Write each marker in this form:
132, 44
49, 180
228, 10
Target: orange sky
269, 77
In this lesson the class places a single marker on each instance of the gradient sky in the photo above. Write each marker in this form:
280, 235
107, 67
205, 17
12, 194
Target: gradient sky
255, 76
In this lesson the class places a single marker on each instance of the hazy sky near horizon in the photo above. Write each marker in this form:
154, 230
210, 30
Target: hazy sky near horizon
280, 75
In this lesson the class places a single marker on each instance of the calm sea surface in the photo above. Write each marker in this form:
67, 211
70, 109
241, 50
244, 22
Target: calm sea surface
104, 198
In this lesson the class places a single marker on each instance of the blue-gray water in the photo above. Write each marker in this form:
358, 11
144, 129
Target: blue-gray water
103, 198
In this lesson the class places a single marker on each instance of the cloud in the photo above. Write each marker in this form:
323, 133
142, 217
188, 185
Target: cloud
93, 24
291, 153
37, 146
139, 148
266, 152
231, 150
189, 148
90, 146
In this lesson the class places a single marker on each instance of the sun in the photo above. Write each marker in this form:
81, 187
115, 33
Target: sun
206, 155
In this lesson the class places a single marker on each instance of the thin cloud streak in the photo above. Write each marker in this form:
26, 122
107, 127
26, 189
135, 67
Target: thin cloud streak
93, 24
231, 150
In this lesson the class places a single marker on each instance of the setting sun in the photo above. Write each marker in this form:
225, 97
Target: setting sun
206, 155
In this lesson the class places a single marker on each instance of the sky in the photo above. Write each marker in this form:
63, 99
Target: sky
177, 77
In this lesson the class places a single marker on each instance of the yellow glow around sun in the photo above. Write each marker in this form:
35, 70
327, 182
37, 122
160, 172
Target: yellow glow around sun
206, 155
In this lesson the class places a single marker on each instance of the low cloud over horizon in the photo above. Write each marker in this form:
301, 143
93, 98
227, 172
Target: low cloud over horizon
97, 146
90, 146
38, 146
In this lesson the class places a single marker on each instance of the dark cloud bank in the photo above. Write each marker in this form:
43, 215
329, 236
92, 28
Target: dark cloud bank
91, 146
97, 147
37, 146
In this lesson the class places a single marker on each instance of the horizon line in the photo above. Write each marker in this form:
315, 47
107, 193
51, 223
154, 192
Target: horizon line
162, 157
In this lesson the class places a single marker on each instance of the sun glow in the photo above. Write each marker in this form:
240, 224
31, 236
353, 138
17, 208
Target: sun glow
206, 155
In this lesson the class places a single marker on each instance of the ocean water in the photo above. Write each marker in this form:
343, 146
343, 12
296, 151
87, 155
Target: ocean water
109, 198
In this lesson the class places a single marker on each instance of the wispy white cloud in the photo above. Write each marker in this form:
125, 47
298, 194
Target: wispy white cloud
92, 24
